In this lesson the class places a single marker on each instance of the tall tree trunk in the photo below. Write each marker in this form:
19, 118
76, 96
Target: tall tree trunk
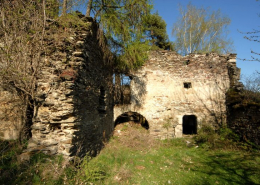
27, 115
64, 7
89, 8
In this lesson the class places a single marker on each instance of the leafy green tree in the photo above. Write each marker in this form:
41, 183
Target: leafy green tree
155, 30
122, 22
200, 31
51, 8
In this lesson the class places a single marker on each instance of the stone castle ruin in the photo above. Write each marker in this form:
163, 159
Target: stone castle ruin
170, 95
175, 95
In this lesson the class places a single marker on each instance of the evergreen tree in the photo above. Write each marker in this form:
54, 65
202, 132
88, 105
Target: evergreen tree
155, 30
123, 25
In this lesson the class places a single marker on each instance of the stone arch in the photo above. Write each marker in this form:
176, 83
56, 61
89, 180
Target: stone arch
189, 124
133, 117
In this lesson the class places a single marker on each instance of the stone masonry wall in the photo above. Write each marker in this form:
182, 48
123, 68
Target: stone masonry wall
244, 115
10, 115
170, 86
245, 121
74, 113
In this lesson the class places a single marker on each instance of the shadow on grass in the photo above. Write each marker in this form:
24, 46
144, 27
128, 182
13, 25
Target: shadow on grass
40, 169
228, 168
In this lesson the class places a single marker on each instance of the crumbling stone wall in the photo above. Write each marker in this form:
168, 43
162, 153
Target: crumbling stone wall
245, 121
243, 115
170, 86
74, 110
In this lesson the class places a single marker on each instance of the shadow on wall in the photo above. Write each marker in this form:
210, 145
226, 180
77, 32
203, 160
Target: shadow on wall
138, 91
132, 117
93, 101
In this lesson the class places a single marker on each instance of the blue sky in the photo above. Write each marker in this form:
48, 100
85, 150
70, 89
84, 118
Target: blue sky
244, 17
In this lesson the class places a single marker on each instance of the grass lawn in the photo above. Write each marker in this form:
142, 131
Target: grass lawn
133, 157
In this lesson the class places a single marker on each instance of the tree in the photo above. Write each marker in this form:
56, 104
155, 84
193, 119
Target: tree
251, 90
89, 8
22, 30
122, 22
23, 34
200, 31
255, 37
252, 82
155, 30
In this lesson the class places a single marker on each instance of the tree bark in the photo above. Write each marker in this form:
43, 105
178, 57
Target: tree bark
89, 8
64, 7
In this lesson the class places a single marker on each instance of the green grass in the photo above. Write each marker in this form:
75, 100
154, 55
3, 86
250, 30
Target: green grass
40, 169
172, 162
135, 158
175, 163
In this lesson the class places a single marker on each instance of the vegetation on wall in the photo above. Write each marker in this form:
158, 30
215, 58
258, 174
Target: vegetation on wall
243, 115
251, 89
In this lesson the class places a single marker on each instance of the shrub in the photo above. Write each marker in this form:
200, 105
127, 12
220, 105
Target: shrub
224, 138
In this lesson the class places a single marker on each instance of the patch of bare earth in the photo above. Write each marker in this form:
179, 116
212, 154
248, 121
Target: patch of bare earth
134, 136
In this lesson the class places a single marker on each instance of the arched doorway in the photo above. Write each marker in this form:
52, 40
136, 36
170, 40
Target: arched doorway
133, 118
189, 124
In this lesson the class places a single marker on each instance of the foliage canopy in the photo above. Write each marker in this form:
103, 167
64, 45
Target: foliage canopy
200, 31
122, 22
155, 30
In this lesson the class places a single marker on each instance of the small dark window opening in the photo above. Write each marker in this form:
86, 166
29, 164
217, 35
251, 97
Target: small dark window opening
189, 124
102, 100
186, 62
187, 85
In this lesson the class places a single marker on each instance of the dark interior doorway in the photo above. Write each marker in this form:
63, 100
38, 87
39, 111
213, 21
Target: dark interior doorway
189, 124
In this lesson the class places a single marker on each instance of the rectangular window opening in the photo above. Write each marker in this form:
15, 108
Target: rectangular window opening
187, 85
122, 89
